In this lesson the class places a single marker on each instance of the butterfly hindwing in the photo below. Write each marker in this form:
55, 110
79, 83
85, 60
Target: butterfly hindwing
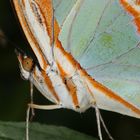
106, 43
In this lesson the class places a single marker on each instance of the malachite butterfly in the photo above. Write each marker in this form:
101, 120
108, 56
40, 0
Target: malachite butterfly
87, 51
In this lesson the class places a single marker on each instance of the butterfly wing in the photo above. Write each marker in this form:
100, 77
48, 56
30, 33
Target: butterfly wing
102, 37
96, 44
36, 22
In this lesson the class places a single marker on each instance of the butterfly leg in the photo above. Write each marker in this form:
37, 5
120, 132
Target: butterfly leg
44, 107
103, 123
99, 121
98, 114
31, 96
97, 111
35, 106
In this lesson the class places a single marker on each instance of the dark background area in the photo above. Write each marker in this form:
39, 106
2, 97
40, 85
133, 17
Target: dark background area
14, 92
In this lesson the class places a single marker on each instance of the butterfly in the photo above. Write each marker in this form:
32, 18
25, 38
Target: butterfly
84, 56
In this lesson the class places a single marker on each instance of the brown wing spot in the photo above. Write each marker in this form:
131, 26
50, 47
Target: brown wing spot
37, 13
27, 64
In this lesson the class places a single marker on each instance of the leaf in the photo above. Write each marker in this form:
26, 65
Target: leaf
16, 131
103, 39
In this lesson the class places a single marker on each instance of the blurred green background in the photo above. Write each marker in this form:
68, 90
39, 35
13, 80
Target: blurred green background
14, 92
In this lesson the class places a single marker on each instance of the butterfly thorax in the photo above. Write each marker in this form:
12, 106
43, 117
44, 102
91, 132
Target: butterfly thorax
69, 92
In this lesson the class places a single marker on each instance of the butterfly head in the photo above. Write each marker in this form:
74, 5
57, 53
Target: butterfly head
26, 64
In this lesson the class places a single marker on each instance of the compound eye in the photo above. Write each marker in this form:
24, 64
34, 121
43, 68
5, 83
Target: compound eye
27, 64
